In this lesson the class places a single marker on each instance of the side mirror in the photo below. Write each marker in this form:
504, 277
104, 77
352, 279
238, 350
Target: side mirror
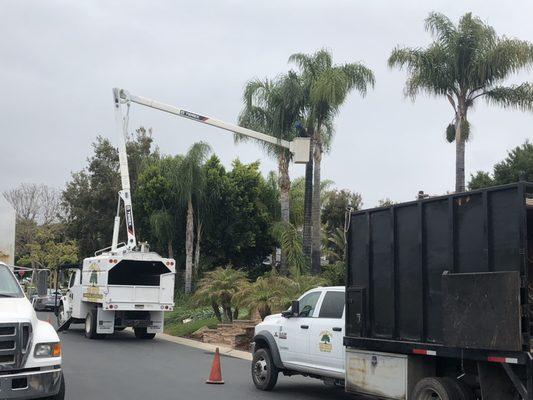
294, 311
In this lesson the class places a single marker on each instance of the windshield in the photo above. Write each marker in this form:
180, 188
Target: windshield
8, 284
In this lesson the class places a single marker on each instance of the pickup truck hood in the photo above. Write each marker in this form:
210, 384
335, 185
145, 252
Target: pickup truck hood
15, 310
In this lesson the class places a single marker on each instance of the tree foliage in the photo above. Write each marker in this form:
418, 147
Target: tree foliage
517, 165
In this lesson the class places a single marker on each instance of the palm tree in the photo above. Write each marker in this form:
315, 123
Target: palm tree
162, 224
268, 294
274, 107
326, 87
219, 287
188, 185
465, 62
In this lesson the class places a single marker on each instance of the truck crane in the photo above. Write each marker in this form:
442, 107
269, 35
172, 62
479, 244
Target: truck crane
125, 285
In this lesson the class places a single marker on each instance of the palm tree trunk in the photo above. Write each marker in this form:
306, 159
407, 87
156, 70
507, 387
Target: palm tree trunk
459, 157
316, 233
197, 247
308, 204
284, 186
170, 249
189, 241
216, 310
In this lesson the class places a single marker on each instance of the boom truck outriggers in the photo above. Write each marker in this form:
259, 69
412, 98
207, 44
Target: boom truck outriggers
126, 285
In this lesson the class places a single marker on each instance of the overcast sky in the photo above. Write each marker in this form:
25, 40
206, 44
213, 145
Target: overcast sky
60, 59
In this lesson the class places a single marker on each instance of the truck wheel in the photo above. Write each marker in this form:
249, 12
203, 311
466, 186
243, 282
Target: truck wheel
464, 392
264, 372
90, 326
434, 389
62, 317
140, 333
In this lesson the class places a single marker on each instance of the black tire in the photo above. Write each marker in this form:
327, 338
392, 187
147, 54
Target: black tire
264, 372
463, 391
141, 333
90, 326
435, 389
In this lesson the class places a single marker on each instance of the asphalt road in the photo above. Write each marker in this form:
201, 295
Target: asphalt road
121, 367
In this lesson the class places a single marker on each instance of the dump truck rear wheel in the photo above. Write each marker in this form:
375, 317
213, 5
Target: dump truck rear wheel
434, 389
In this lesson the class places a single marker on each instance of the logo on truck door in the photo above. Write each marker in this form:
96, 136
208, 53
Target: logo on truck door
93, 291
325, 342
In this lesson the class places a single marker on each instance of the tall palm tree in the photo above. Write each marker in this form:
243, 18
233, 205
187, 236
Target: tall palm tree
274, 107
326, 87
465, 62
188, 185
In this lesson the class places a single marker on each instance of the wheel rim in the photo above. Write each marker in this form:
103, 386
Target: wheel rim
430, 394
88, 324
261, 370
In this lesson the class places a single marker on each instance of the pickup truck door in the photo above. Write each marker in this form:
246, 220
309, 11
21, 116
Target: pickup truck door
326, 334
293, 336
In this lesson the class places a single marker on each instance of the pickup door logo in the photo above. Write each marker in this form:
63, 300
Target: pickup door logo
325, 342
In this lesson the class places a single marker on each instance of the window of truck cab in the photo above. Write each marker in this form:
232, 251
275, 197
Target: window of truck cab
9, 286
332, 305
308, 304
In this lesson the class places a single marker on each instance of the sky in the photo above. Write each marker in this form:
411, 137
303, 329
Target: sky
59, 61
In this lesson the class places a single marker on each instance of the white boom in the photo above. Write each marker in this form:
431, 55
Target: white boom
299, 147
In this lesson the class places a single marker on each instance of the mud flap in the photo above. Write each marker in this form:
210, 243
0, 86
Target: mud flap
156, 322
105, 321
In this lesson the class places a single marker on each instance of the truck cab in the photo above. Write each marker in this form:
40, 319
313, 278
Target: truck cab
305, 340
30, 351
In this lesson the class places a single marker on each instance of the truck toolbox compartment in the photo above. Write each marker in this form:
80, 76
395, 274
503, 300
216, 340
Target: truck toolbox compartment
389, 376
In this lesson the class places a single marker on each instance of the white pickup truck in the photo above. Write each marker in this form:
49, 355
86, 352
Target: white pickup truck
305, 340
30, 352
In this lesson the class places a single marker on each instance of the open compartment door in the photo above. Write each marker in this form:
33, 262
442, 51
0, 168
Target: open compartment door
167, 288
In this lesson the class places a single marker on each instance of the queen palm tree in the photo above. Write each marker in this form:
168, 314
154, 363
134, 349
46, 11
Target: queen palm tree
274, 107
465, 62
188, 184
326, 86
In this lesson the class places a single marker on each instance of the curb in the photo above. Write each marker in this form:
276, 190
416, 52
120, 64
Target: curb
226, 351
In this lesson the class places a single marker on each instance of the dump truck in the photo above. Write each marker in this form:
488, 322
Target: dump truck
439, 297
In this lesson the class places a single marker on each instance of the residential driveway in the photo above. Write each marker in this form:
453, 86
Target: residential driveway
121, 367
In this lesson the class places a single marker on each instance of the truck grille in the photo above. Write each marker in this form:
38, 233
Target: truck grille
15, 342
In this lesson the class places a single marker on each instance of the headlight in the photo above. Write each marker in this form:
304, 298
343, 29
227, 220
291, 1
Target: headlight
47, 350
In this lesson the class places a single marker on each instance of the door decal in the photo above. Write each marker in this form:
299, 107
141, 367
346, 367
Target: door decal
325, 342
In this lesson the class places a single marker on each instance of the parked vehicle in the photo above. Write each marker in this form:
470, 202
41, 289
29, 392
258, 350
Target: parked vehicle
48, 302
437, 303
30, 351
305, 340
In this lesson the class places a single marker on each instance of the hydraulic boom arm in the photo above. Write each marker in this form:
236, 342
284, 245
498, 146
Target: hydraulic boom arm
299, 147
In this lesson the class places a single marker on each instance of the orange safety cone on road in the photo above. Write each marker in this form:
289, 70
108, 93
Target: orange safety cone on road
215, 377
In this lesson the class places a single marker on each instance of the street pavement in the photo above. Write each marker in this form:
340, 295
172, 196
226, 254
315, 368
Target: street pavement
121, 367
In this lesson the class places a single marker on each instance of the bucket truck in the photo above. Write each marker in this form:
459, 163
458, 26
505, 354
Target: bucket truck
126, 285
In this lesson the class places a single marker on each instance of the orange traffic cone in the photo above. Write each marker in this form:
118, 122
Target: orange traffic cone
215, 377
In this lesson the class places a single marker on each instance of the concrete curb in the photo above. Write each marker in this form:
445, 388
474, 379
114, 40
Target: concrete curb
228, 351
225, 351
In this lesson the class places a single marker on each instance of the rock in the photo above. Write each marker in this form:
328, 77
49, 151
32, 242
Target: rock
199, 334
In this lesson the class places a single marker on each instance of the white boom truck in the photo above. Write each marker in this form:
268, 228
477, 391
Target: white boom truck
30, 352
122, 286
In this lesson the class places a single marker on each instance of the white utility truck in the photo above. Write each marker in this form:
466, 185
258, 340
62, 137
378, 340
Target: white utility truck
305, 340
30, 351
124, 285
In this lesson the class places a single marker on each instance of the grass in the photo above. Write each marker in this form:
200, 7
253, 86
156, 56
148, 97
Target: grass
184, 330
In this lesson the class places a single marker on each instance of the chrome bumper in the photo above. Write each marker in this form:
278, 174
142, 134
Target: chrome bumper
30, 385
